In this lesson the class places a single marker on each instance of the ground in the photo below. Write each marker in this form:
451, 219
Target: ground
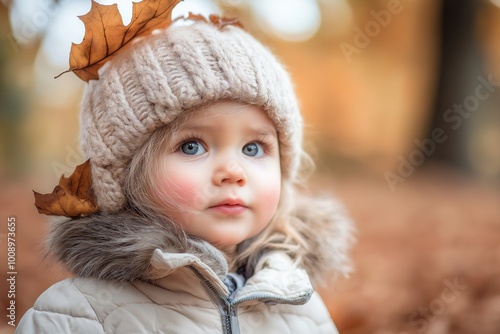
426, 258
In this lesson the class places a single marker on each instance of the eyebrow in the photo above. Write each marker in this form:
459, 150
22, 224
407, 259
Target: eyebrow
260, 131
265, 131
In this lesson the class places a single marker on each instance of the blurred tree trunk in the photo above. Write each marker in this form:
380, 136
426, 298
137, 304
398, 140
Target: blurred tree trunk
460, 67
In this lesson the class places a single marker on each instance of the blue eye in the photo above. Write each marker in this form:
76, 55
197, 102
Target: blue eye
253, 150
192, 147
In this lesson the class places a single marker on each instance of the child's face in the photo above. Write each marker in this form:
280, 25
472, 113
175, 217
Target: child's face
220, 176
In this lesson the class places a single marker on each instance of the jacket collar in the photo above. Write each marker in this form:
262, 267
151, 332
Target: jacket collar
275, 276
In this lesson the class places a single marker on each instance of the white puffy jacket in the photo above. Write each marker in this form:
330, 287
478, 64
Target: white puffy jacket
187, 298
137, 274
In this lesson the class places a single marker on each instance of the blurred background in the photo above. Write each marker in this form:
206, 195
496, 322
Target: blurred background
402, 108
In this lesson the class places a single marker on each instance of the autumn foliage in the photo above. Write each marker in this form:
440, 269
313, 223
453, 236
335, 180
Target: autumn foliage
105, 33
216, 20
72, 197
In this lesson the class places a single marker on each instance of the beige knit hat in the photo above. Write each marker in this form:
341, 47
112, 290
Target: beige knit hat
169, 72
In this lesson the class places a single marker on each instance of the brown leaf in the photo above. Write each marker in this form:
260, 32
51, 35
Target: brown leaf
219, 22
105, 33
72, 197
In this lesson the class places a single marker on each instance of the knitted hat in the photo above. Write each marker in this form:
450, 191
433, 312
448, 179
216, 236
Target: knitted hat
170, 72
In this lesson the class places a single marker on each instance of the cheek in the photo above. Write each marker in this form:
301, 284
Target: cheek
177, 189
270, 195
272, 199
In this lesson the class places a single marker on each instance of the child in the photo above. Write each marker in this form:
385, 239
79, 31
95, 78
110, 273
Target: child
194, 138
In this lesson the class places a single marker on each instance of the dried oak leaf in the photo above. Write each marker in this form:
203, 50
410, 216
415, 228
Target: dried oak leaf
105, 33
218, 21
221, 22
72, 197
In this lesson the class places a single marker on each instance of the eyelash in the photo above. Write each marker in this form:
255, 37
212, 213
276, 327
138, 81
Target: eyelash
187, 138
264, 141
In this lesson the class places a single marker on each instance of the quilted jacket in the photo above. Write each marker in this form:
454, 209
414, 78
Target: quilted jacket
137, 275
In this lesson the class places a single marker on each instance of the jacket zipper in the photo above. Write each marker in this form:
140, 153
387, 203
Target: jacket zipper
225, 309
228, 310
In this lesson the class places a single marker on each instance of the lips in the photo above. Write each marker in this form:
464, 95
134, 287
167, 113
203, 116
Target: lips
229, 206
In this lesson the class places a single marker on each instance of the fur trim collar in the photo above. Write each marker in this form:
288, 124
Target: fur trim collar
119, 246
329, 234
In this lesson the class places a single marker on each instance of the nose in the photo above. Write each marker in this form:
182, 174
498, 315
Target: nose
230, 172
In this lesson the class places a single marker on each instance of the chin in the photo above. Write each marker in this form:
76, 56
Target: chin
228, 242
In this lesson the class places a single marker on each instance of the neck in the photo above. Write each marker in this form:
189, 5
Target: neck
229, 254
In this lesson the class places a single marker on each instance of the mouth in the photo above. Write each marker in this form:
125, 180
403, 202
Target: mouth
229, 207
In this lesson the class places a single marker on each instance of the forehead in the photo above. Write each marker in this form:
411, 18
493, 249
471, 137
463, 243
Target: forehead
230, 113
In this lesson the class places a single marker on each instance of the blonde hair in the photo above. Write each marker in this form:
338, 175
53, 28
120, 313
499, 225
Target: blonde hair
284, 232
